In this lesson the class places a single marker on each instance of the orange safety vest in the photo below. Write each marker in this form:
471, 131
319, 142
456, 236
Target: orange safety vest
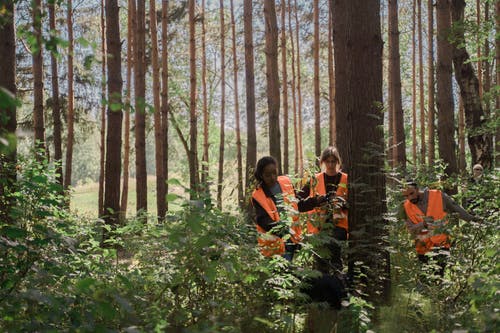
340, 217
426, 240
271, 244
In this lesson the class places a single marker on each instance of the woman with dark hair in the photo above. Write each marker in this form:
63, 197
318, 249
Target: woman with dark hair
276, 211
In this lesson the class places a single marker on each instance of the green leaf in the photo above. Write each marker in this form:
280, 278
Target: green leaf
13, 232
85, 284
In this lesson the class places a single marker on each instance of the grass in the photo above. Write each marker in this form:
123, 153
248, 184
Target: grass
84, 198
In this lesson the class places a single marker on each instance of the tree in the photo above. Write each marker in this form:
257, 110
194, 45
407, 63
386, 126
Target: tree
479, 144
431, 110
358, 67
299, 90
317, 120
396, 107
251, 155
206, 116
331, 81
237, 111
102, 149
285, 88
294, 97
445, 103
71, 112
36, 51
193, 119
164, 89
140, 107
272, 79
497, 64
8, 123
222, 105
114, 113
56, 105
421, 83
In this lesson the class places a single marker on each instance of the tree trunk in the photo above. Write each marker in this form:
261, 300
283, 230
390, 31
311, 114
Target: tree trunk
140, 108
299, 92
102, 150
446, 123
220, 178
479, 55
164, 91
56, 105
161, 195
294, 97
206, 116
272, 78
285, 89
193, 132
358, 63
71, 110
128, 102
38, 118
251, 155
497, 80
114, 130
331, 81
8, 123
317, 120
398, 134
421, 87
479, 144
414, 88
237, 111
431, 83
462, 165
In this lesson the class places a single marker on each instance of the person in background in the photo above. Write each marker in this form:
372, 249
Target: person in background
276, 211
477, 173
327, 206
425, 213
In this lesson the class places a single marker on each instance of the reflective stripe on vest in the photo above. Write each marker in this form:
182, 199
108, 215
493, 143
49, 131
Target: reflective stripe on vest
270, 244
320, 189
426, 240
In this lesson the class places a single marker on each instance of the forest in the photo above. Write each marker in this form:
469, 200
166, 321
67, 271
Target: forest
130, 136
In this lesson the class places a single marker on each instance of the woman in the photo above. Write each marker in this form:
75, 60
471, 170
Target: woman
328, 211
276, 210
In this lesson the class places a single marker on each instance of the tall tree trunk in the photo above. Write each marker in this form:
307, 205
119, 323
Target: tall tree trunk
398, 134
358, 63
193, 132
317, 120
56, 105
479, 144
38, 118
102, 149
497, 80
431, 82
285, 89
71, 110
8, 123
164, 89
206, 116
251, 155
299, 92
237, 111
140, 107
294, 97
414, 87
331, 81
479, 55
114, 130
421, 87
446, 123
128, 102
161, 194
220, 178
272, 78
462, 164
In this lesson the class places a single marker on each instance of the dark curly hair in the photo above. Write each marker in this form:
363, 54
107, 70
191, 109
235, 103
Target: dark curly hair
261, 164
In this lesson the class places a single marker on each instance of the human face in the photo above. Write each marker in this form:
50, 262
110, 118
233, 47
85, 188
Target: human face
270, 175
331, 166
477, 171
411, 194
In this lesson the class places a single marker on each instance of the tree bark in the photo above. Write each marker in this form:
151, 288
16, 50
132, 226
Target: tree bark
479, 144
220, 178
102, 150
71, 110
421, 87
114, 129
272, 78
331, 81
294, 97
164, 90
445, 105
358, 63
193, 119
317, 120
284, 74
38, 117
140, 108
206, 116
299, 91
431, 110
497, 80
